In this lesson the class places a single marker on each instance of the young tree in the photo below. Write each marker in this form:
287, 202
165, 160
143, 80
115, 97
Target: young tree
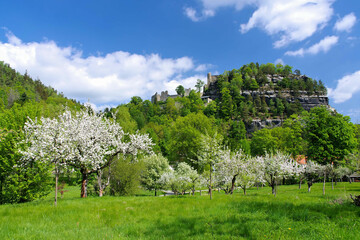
341, 172
187, 177
226, 172
325, 170
155, 166
311, 173
169, 179
48, 141
234, 168
276, 166
249, 173
209, 154
199, 85
180, 180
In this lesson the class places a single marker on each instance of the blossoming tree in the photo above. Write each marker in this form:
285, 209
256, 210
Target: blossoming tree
48, 141
311, 173
275, 167
85, 141
209, 154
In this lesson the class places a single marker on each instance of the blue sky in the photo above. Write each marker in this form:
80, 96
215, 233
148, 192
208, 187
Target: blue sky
108, 51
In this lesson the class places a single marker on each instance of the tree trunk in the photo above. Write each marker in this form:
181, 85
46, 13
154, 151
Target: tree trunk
84, 184
56, 185
233, 184
300, 183
244, 190
332, 183
324, 184
210, 190
309, 185
273, 189
200, 192
336, 180
155, 192
1, 191
100, 184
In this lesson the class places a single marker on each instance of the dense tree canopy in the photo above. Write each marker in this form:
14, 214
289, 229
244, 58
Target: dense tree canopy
330, 135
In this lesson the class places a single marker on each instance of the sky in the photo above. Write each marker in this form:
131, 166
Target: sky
108, 51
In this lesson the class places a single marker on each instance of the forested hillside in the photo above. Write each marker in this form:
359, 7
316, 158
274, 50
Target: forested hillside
177, 124
22, 98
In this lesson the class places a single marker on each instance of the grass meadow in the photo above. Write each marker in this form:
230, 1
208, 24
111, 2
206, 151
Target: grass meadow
292, 214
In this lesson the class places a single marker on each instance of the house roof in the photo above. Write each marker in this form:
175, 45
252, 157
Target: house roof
301, 159
355, 175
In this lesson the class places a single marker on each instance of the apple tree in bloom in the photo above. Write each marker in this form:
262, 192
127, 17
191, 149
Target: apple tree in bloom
86, 141
341, 172
228, 170
311, 173
276, 166
155, 166
299, 171
48, 141
210, 153
96, 141
181, 179
325, 171
249, 173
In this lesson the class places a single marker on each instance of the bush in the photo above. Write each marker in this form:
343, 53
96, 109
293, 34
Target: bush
125, 177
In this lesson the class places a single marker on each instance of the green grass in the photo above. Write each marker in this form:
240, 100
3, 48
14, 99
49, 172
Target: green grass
293, 214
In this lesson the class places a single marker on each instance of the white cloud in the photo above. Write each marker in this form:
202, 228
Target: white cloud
193, 15
322, 46
346, 87
279, 61
203, 67
113, 78
237, 4
346, 23
292, 21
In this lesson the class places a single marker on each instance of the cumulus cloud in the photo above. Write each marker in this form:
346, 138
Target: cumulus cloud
292, 21
113, 78
346, 87
323, 46
346, 23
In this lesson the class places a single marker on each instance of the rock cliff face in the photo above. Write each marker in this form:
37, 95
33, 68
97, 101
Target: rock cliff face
269, 92
258, 124
306, 100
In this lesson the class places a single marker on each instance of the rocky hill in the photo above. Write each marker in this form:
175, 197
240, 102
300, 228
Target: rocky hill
263, 96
